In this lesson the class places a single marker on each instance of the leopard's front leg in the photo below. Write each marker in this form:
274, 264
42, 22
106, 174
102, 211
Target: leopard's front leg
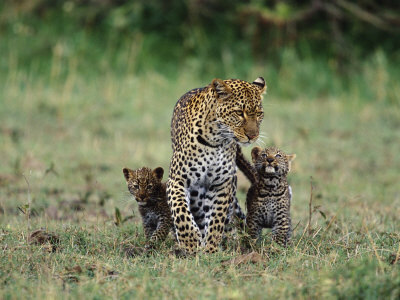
148, 231
222, 198
161, 232
252, 225
148, 225
186, 230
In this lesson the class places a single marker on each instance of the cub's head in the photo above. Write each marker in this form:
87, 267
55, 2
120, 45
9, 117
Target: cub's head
143, 183
239, 111
271, 161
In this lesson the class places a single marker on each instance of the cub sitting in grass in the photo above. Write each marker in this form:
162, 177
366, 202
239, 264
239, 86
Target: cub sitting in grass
268, 199
150, 193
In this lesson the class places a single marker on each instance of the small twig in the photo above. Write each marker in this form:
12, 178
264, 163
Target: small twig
310, 207
28, 211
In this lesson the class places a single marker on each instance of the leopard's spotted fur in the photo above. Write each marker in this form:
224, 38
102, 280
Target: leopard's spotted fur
268, 199
150, 193
207, 125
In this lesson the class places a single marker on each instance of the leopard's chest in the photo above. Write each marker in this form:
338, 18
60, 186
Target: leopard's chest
211, 166
270, 207
206, 176
150, 218
266, 208
152, 214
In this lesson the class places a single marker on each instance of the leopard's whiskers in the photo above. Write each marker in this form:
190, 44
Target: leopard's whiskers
260, 143
126, 199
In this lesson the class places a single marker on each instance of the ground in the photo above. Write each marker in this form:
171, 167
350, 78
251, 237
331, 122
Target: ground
63, 147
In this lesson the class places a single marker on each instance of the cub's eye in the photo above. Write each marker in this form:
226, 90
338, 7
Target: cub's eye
150, 186
278, 155
264, 155
135, 186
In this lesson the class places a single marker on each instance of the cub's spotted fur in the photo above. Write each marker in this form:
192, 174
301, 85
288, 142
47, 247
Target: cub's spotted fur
150, 193
207, 125
268, 199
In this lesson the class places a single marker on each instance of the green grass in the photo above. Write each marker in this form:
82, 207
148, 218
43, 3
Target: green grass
71, 133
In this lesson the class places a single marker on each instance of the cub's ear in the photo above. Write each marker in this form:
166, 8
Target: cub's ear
260, 83
158, 172
290, 158
223, 91
255, 152
128, 173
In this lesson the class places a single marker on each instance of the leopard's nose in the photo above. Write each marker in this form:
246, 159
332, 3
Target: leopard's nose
270, 159
251, 135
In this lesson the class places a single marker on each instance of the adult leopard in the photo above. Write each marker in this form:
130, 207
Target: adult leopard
207, 125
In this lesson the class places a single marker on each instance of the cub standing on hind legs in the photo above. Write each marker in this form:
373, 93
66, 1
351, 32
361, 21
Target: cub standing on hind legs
268, 199
207, 125
150, 193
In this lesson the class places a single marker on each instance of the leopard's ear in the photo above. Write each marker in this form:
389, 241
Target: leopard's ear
222, 89
255, 152
260, 83
128, 173
158, 172
290, 158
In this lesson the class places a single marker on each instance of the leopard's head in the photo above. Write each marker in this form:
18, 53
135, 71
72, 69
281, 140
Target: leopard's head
239, 111
143, 183
271, 161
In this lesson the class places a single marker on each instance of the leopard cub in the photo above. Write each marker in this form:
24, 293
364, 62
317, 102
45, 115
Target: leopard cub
150, 193
268, 199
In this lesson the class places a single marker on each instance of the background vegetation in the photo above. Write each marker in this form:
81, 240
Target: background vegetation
88, 87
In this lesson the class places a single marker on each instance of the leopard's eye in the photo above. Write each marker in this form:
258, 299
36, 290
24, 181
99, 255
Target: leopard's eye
278, 155
150, 186
264, 155
240, 113
135, 186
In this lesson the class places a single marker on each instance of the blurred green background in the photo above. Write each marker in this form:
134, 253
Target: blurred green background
87, 87
290, 41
